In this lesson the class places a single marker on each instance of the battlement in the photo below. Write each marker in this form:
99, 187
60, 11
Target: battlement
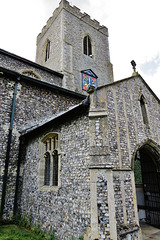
64, 4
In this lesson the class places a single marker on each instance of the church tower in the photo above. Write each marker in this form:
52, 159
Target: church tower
72, 42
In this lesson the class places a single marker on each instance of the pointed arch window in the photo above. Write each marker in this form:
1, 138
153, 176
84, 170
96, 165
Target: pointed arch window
87, 46
55, 168
143, 109
49, 168
47, 51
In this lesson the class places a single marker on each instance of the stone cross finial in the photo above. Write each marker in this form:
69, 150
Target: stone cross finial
133, 63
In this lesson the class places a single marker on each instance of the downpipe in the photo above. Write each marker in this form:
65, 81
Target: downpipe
5, 176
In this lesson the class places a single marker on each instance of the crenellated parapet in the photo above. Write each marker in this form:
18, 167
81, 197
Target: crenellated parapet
76, 12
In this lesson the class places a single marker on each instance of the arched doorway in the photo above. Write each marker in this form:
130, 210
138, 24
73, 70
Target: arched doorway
147, 179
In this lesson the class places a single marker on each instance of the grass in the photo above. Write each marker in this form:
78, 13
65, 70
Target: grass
13, 232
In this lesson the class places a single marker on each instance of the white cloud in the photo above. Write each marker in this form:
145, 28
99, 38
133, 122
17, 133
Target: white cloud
151, 66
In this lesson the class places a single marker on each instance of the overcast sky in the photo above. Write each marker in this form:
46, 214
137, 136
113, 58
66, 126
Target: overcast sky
134, 32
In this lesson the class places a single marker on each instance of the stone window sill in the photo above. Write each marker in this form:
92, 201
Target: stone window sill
49, 188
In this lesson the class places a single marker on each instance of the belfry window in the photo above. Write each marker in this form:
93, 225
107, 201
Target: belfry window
47, 50
143, 109
49, 168
87, 46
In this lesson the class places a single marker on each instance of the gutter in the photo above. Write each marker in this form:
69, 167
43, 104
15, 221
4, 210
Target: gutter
5, 176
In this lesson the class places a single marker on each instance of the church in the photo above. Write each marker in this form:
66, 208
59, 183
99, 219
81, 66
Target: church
80, 153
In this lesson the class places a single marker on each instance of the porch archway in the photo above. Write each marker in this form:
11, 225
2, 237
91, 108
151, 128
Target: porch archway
146, 167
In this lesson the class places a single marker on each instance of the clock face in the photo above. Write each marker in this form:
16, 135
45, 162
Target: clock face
87, 81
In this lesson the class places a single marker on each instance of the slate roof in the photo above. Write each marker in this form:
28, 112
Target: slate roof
57, 118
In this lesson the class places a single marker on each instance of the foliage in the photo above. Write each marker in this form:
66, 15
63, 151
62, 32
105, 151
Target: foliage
50, 237
22, 221
24, 230
13, 232
137, 172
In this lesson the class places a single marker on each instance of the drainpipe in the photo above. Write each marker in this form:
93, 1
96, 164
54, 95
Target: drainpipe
5, 176
17, 178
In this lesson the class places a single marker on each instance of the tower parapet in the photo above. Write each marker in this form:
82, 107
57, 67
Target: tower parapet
76, 12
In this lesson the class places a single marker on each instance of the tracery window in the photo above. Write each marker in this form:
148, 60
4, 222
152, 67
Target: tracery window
87, 46
47, 50
49, 168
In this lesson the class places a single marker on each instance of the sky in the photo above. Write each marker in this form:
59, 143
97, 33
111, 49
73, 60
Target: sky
134, 32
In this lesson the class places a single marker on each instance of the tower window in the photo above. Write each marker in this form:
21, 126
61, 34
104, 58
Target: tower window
47, 50
87, 46
143, 110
